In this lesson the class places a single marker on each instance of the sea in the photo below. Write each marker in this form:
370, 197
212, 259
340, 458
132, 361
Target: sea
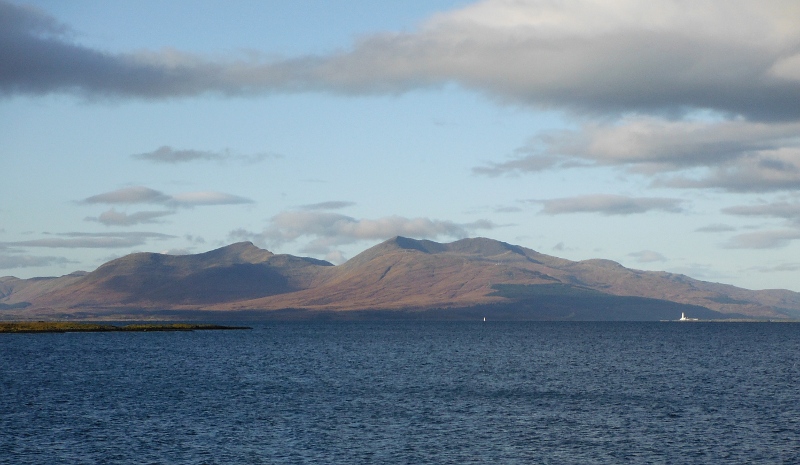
406, 392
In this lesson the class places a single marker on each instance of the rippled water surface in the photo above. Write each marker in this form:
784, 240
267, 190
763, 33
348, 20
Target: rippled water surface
406, 392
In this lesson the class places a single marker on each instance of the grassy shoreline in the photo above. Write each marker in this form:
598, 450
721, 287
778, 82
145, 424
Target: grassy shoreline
74, 327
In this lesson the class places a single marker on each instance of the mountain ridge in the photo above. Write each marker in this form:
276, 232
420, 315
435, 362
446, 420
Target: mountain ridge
399, 274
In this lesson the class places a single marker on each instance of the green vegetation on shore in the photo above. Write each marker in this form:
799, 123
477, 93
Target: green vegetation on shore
69, 327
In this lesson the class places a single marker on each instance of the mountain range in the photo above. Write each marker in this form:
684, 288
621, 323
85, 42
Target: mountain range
398, 278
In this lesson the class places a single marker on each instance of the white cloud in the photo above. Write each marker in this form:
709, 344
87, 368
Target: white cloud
647, 256
167, 154
771, 239
176, 251
330, 205
129, 195
336, 257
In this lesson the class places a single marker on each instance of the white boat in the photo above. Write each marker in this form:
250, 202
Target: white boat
683, 318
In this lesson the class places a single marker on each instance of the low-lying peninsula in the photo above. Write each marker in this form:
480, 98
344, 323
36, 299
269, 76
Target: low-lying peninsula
75, 327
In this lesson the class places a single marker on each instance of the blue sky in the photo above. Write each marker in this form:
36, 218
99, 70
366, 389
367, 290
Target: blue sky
662, 135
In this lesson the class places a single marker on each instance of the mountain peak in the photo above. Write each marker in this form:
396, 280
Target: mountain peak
240, 251
422, 245
483, 246
480, 246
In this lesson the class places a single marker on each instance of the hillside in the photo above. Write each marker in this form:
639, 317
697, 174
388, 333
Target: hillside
417, 277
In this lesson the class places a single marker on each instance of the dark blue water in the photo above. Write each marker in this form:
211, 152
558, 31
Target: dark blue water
406, 392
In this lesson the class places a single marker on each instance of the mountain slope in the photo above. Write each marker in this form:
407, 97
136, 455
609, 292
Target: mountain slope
406, 273
238, 271
15, 292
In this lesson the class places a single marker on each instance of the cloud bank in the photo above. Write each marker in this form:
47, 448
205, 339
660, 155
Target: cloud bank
324, 230
733, 56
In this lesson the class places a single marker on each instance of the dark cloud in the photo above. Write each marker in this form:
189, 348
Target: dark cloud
206, 198
737, 156
194, 239
38, 57
784, 210
332, 205
326, 230
781, 268
145, 195
79, 240
507, 209
754, 173
736, 57
715, 228
114, 218
609, 205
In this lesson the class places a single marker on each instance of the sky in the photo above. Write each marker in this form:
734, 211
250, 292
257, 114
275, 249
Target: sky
664, 135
